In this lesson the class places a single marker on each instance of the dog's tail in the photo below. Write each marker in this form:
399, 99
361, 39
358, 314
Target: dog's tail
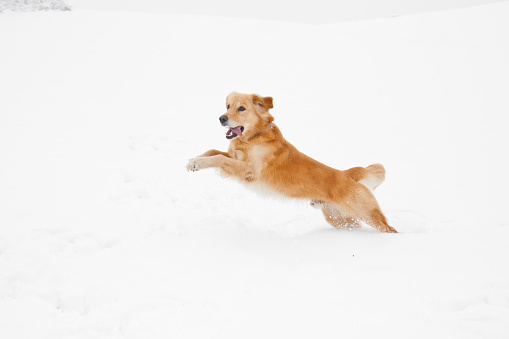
371, 176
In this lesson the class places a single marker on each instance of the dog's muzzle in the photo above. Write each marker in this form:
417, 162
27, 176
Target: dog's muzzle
232, 132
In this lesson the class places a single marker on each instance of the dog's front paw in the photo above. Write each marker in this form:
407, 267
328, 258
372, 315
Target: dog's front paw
193, 165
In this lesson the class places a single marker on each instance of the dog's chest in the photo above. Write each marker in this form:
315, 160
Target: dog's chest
255, 156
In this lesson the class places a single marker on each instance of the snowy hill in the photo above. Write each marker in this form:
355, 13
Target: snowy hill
315, 12
103, 234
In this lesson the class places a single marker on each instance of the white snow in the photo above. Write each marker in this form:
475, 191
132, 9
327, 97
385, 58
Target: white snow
103, 234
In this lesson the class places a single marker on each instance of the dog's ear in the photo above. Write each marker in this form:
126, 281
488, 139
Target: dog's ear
265, 102
268, 102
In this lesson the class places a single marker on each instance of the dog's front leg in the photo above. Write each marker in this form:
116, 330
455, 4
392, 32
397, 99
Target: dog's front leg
213, 152
228, 166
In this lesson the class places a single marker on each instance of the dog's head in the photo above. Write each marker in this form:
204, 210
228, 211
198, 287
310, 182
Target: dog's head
246, 114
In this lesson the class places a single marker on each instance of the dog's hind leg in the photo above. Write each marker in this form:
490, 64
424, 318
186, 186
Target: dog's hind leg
377, 220
362, 205
335, 218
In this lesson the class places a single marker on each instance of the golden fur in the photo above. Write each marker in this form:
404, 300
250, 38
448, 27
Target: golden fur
260, 156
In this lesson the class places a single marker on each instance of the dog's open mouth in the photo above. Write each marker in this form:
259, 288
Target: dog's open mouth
234, 132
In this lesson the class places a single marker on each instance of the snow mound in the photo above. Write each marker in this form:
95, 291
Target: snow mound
33, 5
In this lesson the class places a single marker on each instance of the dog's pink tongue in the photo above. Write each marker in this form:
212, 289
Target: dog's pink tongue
237, 130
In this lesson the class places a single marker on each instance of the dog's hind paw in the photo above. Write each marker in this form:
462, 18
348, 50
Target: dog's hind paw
316, 203
192, 165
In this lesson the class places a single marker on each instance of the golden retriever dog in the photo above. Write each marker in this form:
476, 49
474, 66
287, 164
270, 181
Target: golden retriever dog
260, 157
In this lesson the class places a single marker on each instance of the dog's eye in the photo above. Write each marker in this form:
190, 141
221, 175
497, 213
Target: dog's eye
241, 108
228, 107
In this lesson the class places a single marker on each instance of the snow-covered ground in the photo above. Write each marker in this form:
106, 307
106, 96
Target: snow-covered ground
103, 234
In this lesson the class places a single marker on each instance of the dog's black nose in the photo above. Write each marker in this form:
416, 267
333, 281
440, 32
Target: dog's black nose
223, 119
